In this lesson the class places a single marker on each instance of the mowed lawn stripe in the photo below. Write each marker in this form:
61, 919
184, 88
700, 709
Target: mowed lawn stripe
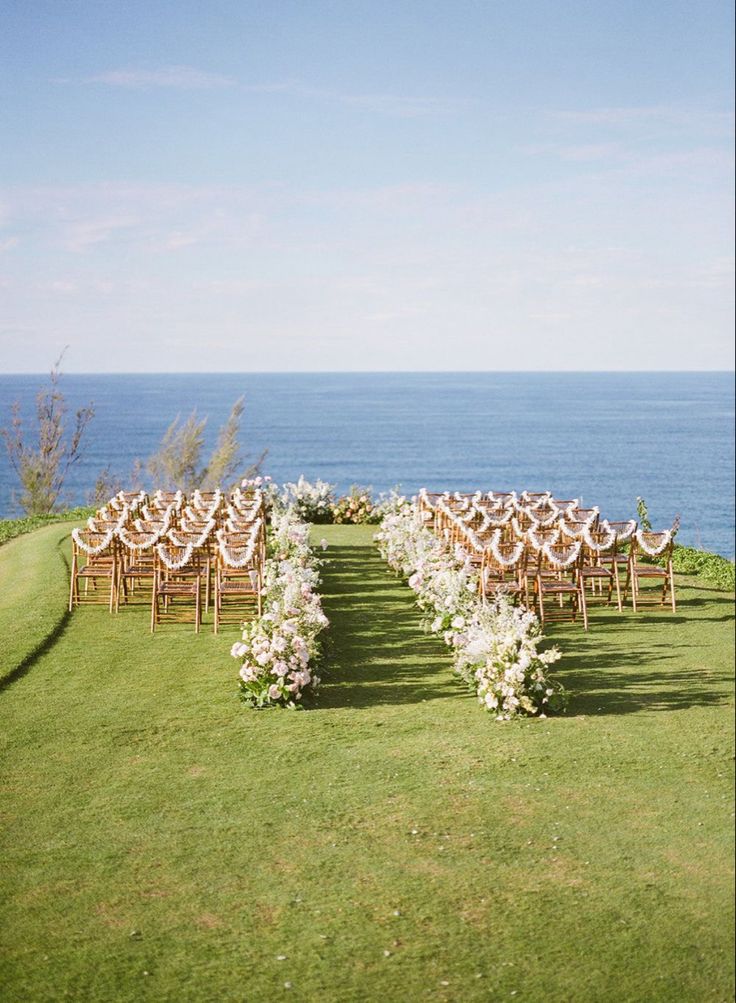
161, 842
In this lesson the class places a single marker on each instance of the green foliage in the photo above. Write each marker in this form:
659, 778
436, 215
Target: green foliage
642, 512
578, 858
10, 528
42, 465
178, 463
712, 569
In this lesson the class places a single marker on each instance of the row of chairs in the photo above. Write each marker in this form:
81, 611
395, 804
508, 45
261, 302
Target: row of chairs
180, 554
554, 555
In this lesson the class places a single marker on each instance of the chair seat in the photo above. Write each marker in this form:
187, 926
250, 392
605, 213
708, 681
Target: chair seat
237, 588
178, 588
558, 588
596, 571
96, 571
650, 571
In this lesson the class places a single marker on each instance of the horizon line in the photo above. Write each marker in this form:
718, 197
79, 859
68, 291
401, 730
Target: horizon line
369, 372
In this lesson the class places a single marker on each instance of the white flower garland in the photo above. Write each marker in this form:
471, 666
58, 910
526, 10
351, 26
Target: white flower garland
89, 548
207, 506
572, 555
543, 521
538, 543
622, 535
599, 547
654, 549
518, 532
174, 564
161, 503
199, 542
515, 554
147, 544
132, 500
247, 550
591, 517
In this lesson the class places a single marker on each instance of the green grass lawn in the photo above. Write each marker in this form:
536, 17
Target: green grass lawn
161, 842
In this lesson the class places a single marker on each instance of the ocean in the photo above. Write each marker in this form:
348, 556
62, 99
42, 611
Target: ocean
605, 437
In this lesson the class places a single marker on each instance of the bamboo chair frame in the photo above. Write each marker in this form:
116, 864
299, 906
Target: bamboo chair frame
599, 568
172, 585
91, 568
560, 584
137, 567
243, 585
636, 571
501, 577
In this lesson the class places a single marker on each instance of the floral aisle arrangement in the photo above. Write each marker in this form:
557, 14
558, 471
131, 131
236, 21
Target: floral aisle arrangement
356, 508
279, 649
495, 645
312, 502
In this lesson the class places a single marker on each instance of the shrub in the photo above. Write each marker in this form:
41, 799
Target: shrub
10, 528
711, 568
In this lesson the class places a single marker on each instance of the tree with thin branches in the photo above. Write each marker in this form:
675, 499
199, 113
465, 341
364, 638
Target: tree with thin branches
178, 461
42, 465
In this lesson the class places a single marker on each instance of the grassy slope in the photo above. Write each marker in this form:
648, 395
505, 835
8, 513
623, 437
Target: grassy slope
160, 842
34, 589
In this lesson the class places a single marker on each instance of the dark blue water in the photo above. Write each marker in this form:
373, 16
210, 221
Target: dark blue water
607, 437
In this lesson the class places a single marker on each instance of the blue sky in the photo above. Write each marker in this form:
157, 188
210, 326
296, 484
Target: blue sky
366, 185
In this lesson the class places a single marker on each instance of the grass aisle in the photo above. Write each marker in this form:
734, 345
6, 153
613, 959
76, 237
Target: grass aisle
161, 842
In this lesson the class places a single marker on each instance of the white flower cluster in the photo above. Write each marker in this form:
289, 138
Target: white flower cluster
312, 502
495, 646
279, 648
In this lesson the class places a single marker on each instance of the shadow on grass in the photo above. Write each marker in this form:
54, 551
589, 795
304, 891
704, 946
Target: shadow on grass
630, 662
625, 665
378, 652
46, 643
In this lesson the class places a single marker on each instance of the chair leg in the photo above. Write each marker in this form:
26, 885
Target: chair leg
73, 583
197, 610
618, 588
671, 573
154, 608
584, 608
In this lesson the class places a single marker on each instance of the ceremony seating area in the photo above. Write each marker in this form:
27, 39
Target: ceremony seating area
179, 554
554, 555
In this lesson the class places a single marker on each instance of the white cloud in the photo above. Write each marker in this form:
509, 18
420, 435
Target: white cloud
344, 278
670, 115
394, 105
177, 77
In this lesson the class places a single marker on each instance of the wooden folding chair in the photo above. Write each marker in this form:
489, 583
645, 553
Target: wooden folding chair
95, 563
599, 567
640, 567
177, 585
238, 575
137, 561
505, 569
558, 578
